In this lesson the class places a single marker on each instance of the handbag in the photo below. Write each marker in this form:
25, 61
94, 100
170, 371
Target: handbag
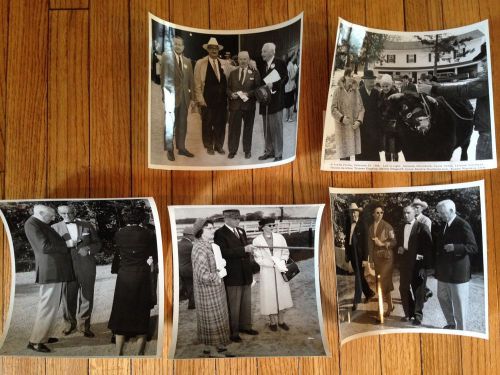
292, 270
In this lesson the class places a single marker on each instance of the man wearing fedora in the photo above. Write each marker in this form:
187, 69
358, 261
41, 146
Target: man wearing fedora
474, 89
371, 132
420, 206
235, 249
356, 252
175, 64
210, 85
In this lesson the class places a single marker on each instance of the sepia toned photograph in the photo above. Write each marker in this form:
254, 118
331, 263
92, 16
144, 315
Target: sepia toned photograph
246, 282
223, 99
411, 260
410, 101
87, 278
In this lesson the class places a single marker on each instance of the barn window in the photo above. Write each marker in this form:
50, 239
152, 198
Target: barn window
391, 58
411, 58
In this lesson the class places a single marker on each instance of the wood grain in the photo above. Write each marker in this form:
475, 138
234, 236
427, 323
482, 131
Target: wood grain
69, 4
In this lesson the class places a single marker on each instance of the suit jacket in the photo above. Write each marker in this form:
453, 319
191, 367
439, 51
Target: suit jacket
185, 248
454, 267
52, 258
277, 102
238, 265
172, 78
251, 82
87, 236
358, 249
419, 243
200, 73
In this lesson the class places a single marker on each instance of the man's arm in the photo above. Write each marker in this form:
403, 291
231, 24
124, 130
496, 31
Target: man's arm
95, 242
469, 90
283, 72
40, 241
468, 243
198, 93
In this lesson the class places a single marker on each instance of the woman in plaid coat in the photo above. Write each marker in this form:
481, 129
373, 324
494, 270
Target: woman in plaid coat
209, 292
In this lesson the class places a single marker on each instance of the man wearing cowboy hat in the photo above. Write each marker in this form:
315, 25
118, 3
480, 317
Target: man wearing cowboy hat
210, 85
420, 206
356, 252
371, 131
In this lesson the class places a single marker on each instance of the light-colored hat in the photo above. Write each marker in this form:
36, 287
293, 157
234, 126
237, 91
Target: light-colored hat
354, 207
188, 231
235, 214
418, 202
212, 42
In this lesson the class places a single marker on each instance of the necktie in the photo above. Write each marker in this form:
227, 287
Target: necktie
215, 67
241, 75
179, 62
236, 233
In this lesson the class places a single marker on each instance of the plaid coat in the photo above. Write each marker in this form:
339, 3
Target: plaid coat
210, 297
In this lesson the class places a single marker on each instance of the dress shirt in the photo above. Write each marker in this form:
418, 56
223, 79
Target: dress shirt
407, 232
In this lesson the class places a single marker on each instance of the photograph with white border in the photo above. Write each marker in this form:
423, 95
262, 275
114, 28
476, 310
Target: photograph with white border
411, 260
410, 101
246, 281
87, 278
223, 99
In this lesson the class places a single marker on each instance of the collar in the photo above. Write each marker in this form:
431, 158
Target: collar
411, 222
230, 228
451, 220
270, 62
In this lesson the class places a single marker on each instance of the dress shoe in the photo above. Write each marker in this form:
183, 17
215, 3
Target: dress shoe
220, 150
52, 340
388, 312
231, 155
250, 331
450, 326
354, 307
210, 151
369, 296
88, 333
284, 326
248, 155
278, 158
404, 319
69, 330
428, 294
273, 327
235, 338
185, 153
170, 155
416, 322
266, 156
42, 348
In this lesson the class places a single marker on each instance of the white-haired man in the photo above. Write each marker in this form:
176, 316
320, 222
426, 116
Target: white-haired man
53, 268
272, 112
241, 85
454, 245
390, 140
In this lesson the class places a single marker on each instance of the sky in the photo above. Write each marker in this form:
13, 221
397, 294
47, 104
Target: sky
205, 211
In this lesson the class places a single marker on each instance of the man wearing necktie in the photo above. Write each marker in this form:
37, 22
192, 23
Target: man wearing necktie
210, 87
175, 65
414, 253
240, 89
454, 245
78, 296
235, 249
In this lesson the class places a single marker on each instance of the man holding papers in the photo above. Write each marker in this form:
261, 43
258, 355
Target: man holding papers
275, 75
241, 85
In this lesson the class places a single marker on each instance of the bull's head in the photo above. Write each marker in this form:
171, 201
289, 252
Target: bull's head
413, 110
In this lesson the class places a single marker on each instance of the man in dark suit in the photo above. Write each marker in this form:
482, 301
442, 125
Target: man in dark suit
232, 241
272, 113
240, 89
453, 247
185, 248
175, 64
53, 268
356, 252
414, 252
371, 129
83, 243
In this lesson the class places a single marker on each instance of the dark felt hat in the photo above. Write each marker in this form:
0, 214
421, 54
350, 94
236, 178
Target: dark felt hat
235, 214
369, 75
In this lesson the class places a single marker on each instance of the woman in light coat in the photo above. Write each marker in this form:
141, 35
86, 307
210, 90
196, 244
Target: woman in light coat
272, 255
348, 111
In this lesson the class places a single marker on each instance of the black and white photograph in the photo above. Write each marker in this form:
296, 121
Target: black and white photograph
411, 260
87, 278
410, 101
223, 99
246, 281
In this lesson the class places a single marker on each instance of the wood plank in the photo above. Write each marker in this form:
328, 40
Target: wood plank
149, 182
26, 114
4, 39
69, 4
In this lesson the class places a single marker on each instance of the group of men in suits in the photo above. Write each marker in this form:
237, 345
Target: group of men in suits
448, 253
218, 88
65, 270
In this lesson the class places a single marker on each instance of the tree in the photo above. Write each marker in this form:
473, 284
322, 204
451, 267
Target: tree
372, 48
441, 44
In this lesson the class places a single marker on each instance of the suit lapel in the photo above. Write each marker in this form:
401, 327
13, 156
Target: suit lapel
79, 228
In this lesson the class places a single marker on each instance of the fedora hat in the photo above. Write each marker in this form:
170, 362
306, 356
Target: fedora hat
369, 75
354, 207
418, 202
235, 214
212, 42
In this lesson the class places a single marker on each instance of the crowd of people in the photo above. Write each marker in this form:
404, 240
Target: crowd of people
225, 91
217, 268
366, 131
415, 251
66, 272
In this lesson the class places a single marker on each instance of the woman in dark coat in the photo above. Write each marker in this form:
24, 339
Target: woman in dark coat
132, 301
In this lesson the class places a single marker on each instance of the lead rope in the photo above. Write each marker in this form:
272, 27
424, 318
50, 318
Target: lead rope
455, 112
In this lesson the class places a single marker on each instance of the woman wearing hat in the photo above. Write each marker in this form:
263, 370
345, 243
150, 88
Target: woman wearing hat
390, 139
348, 112
209, 291
272, 255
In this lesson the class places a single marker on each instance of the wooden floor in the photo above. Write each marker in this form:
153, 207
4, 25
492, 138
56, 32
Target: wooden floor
73, 123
